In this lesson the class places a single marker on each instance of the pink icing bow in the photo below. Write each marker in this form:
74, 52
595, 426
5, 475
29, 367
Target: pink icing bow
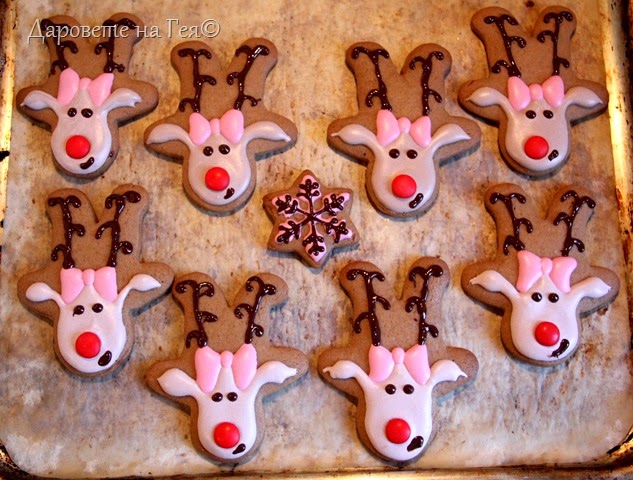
533, 267
382, 362
230, 125
389, 128
208, 362
74, 280
69, 84
520, 95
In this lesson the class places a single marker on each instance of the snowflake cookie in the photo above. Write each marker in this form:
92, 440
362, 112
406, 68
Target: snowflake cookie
310, 219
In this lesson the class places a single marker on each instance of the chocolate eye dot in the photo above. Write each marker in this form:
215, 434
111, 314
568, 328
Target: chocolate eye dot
537, 297
548, 113
530, 114
408, 389
217, 397
97, 308
552, 297
208, 151
390, 389
224, 149
72, 112
86, 112
394, 153
231, 396
412, 153
78, 310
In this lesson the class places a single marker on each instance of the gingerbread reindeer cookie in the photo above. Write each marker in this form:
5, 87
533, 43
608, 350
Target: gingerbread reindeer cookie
94, 279
402, 129
397, 357
88, 93
221, 124
532, 91
540, 277
227, 366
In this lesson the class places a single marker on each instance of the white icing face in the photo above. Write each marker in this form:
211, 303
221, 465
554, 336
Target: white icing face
403, 175
82, 141
537, 133
227, 426
219, 170
398, 419
543, 321
91, 334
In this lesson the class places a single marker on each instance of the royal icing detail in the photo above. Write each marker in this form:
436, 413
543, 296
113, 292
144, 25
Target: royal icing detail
227, 382
535, 122
90, 334
310, 219
402, 175
544, 299
82, 139
219, 168
397, 384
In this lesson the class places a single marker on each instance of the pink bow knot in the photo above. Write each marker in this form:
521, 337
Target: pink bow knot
388, 129
74, 280
98, 89
521, 95
532, 268
230, 125
415, 360
208, 363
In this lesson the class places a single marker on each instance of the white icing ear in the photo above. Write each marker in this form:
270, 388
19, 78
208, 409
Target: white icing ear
265, 130
493, 281
121, 97
581, 96
445, 371
140, 282
355, 134
39, 292
344, 369
167, 132
487, 97
446, 135
272, 372
592, 287
177, 383
38, 100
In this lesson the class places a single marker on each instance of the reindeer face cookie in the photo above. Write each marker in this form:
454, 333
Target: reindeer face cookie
532, 92
226, 367
88, 93
402, 129
94, 279
221, 124
540, 277
397, 357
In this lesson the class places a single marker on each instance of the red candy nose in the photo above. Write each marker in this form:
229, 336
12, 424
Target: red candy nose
88, 345
547, 334
77, 147
536, 147
403, 186
397, 431
226, 435
217, 179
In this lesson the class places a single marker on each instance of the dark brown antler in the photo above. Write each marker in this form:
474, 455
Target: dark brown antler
198, 290
419, 303
509, 64
568, 220
263, 289
381, 91
372, 299
69, 229
251, 56
108, 45
114, 225
427, 68
198, 79
59, 44
558, 17
514, 239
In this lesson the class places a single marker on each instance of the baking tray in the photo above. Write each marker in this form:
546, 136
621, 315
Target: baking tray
618, 461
